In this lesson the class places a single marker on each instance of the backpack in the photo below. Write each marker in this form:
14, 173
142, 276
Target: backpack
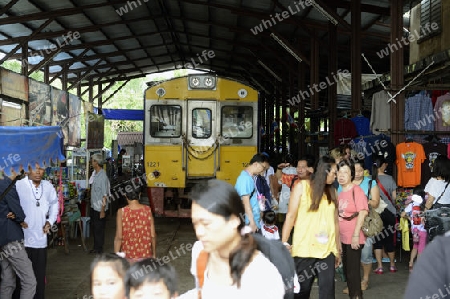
274, 250
264, 189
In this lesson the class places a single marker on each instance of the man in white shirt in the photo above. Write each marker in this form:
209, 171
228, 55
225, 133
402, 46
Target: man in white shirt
39, 201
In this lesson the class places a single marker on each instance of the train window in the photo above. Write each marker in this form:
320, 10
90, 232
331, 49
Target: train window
201, 123
165, 121
237, 121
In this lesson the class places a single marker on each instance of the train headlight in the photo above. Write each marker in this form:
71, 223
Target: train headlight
202, 82
209, 81
195, 81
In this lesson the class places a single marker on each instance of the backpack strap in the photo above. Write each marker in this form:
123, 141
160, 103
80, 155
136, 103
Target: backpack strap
202, 261
384, 191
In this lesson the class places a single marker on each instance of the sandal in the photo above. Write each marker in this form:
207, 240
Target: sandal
393, 269
364, 285
378, 271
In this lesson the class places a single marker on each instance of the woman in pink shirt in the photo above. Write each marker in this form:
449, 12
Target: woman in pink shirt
353, 208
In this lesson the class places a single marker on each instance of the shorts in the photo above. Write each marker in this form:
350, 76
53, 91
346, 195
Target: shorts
420, 246
366, 252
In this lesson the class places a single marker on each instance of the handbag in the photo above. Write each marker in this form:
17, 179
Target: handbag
373, 224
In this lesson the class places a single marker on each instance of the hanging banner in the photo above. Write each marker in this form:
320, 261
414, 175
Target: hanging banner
40, 107
14, 85
74, 121
96, 130
60, 109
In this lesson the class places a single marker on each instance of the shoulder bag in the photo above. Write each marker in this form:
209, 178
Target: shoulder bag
373, 224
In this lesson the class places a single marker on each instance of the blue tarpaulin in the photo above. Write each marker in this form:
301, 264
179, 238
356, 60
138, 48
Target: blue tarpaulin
24, 146
122, 114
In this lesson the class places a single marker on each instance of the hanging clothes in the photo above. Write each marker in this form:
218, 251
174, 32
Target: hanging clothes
362, 125
419, 113
344, 131
381, 112
432, 150
367, 147
410, 156
442, 113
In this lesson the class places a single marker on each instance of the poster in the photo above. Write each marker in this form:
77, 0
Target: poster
60, 111
74, 120
95, 131
14, 85
40, 107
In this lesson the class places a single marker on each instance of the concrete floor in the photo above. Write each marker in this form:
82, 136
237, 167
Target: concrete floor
68, 275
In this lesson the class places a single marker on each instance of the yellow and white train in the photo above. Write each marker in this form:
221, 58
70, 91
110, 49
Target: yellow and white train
196, 127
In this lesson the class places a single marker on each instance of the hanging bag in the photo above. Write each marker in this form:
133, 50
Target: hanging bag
373, 224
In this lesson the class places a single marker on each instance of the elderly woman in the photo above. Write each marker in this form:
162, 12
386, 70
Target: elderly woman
353, 208
135, 229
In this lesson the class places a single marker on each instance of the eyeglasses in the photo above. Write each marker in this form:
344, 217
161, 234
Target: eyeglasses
262, 165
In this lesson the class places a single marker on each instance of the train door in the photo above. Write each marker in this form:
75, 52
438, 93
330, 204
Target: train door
200, 144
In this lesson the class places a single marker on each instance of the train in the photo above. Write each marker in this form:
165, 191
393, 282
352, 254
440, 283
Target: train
196, 127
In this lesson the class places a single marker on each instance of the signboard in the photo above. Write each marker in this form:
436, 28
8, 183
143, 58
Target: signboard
96, 130
14, 85
40, 107
74, 120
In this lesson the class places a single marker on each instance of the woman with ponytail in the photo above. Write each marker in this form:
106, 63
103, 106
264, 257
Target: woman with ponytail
387, 213
232, 265
313, 216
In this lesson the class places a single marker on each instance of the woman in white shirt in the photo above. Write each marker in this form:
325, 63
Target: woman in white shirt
438, 188
234, 267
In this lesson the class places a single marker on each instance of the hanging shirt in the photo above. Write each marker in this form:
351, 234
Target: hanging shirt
362, 125
381, 112
442, 113
410, 156
419, 113
432, 150
344, 131
368, 147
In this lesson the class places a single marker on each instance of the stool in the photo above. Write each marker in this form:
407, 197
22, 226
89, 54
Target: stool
86, 223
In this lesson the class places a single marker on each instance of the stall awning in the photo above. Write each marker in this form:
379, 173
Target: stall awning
122, 114
24, 146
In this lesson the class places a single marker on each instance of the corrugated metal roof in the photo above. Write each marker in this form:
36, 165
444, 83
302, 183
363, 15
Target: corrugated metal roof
131, 38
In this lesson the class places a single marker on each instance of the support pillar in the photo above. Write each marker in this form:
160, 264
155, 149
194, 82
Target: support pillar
332, 89
397, 80
356, 55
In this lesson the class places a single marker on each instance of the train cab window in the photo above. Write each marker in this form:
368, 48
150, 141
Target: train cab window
237, 122
201, 123
165, 121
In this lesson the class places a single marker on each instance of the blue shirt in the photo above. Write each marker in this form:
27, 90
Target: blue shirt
245, 185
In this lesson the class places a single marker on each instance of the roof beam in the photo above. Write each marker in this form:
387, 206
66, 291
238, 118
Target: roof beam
47, 35
20, 45
58, 12
8, 6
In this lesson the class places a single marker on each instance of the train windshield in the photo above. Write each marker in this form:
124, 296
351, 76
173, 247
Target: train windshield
165, 121
237, 121
201, 123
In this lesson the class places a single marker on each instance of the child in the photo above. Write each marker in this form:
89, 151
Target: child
152, 279
413, 213
107, 277
268, 227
